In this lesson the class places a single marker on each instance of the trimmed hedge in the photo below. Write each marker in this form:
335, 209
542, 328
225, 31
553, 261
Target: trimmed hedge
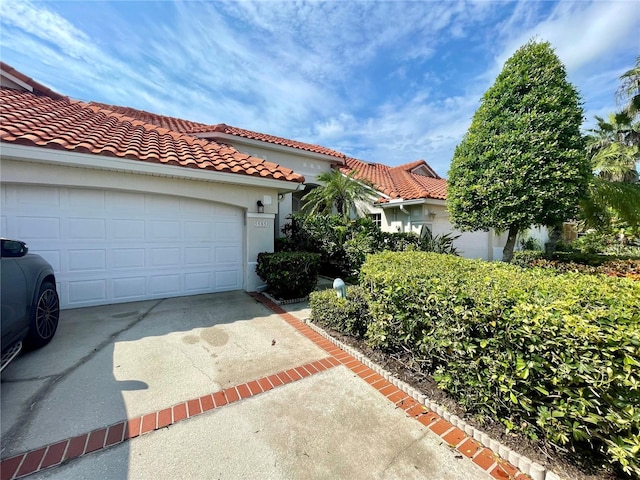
289, 274
556, 356
628, 268
348, 315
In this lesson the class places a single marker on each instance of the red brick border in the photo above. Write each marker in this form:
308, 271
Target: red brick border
60, 452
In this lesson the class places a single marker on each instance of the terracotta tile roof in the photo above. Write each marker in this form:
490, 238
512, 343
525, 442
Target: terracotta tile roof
171, 123
402, 181
63, 124
195, 128
38, 88
263, 137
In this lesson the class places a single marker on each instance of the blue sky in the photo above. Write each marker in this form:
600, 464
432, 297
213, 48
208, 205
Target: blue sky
386, 82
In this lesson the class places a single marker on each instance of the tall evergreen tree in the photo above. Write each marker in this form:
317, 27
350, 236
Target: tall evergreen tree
522, 161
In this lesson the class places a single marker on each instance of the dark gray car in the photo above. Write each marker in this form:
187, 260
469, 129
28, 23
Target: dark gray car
30, 305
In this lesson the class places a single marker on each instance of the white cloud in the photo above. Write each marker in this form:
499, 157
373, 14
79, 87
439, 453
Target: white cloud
366, 78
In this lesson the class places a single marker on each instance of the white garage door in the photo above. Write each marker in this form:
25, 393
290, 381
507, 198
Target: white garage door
110, 247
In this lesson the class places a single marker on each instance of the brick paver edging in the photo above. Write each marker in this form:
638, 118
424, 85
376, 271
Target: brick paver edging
63, 451
499, 460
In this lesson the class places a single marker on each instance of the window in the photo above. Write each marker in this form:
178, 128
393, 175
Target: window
377, 219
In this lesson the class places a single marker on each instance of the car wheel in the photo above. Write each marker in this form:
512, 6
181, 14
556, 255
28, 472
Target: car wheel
44, 318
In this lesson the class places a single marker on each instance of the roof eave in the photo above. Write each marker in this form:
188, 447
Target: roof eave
397, 202
226, 138
103, 162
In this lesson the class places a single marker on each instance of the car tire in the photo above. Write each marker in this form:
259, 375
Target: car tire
44, 318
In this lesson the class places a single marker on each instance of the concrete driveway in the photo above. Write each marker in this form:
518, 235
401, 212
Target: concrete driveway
216, 386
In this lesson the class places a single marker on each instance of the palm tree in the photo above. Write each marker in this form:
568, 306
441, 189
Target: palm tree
343, 192
629, 91
613, 149
614, 189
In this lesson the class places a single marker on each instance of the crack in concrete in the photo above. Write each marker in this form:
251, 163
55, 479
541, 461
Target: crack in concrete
402, 451
25, 418
193, 363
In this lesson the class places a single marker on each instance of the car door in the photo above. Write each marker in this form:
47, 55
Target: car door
14, 300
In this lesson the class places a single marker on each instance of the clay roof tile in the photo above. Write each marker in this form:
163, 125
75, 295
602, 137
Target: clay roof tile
60, 123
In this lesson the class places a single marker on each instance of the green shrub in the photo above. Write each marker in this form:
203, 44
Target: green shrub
289, 274
438, 243
531, 243
348, 315
524, 258
556, 356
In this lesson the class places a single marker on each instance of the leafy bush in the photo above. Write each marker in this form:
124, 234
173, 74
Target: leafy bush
344, 244
531, 243
438, 243
556, 356
289, 274
592, 264
524, 258
348, 315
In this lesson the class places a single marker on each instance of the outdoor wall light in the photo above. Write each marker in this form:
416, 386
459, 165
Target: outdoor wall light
260, 207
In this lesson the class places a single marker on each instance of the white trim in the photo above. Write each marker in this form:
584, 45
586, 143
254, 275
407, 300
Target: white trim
398, 202
271, 216
16, 80
226, 138
101, 162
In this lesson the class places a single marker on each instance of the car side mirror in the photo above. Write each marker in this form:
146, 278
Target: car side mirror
13, 249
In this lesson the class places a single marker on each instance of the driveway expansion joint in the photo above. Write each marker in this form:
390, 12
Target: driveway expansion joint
26, 416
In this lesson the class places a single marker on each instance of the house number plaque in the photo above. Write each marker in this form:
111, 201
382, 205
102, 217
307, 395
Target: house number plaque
261, 224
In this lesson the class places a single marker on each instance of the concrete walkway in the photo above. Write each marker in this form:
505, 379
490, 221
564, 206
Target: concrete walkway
216, 386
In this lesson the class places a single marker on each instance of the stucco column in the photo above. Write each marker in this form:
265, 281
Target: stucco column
259, 239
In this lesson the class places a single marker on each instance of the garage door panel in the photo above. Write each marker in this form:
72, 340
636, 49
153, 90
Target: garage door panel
125, 202
226, 231
126, 246
231, 254
37, 196
226, 280
127, 229
37, 228
195, 256
164, 257
198, 282
197, 231
131, 288
93, 200
82, 260
164, 284
87, 229
162, 205
163, 230
84, 292
201, 208
124, 258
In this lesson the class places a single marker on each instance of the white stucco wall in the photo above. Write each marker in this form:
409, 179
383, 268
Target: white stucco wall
300, 162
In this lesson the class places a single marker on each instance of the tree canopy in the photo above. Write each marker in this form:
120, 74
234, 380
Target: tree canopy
522, 162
